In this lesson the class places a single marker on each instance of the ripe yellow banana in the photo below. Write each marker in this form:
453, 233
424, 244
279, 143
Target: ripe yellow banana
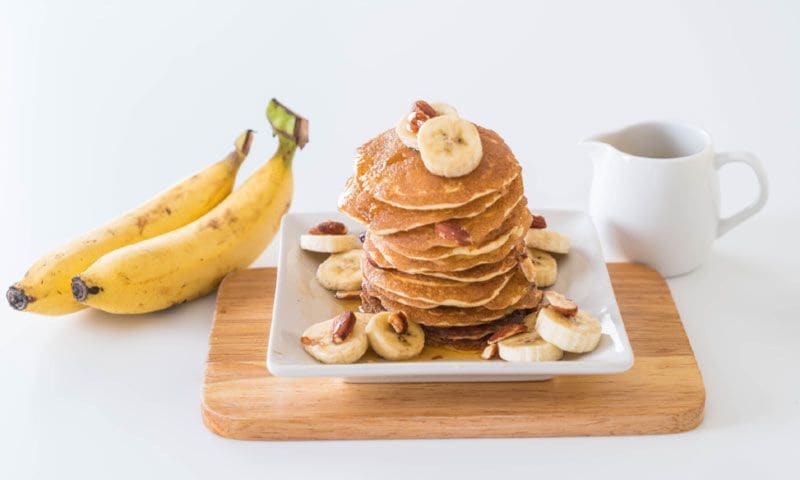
46, 286
190, 262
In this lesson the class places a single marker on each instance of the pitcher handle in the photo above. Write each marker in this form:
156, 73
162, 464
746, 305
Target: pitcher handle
726, 224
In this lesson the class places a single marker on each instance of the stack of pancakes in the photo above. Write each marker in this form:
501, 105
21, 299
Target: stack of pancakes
445, 251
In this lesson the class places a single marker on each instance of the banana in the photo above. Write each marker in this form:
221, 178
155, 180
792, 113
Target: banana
547, 240
394, 337
190, 262
528, 347
578, 333
321, 342
45, 289
329, 243
449, 146
409, 136
545, 265
341, 271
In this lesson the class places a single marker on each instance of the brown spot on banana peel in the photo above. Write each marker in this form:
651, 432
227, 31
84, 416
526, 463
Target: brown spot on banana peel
17, 298
141, 222
81, 291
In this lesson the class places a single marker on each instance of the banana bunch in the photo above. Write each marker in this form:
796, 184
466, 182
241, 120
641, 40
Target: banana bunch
179, 245
45, 289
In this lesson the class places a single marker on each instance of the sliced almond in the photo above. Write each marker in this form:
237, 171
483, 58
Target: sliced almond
560, 303
343, 326
538, 221
453, 232
399, 322
506, 332
328, 228
489, 352
527, 267
347, 294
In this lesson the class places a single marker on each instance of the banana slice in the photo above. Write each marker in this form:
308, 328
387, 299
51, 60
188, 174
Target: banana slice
394, 337
578, 334
409, 136
547, 240
449, 146
320, 342
545, 265
329, 243
406, 135
528, 347
341, 271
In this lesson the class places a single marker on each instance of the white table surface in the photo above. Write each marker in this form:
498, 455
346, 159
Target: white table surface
103, 105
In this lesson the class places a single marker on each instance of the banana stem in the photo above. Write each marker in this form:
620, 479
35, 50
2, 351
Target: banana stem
288, 125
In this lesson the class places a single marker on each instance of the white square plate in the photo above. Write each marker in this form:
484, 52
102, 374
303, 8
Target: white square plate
301, 302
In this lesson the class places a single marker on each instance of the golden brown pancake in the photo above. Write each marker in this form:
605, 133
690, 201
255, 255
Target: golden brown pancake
515, 289
387, 219
447, 316
475, 332
355, 202
384, 219
458, 263
478, 228
394, 173
463, 344
514, 226
480, 273
434, 291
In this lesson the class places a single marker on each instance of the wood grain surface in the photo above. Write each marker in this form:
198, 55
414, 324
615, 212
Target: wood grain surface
662, 393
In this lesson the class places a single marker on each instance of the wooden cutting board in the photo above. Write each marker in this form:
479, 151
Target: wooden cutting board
662, 393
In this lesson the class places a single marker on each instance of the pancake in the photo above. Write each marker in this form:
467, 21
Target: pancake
355, 202
514, 227
458, 263
460, 344
431, 290
479, 228
394, 173
448, 316
475, 332
481, 272
385, 219
370, 304
515, 289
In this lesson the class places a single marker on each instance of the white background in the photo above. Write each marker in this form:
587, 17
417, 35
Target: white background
104, 104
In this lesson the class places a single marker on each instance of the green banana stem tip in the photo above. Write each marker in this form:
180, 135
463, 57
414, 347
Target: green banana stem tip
287, 124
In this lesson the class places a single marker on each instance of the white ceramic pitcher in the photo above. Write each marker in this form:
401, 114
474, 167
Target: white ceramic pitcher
655, 194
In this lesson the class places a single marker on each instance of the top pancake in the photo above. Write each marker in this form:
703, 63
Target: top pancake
394, 173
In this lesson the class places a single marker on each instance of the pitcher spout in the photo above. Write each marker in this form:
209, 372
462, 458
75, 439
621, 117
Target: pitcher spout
599, 144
